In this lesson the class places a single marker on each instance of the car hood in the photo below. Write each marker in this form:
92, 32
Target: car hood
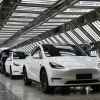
75, 61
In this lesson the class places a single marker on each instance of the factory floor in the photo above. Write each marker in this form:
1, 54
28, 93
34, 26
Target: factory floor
16, 90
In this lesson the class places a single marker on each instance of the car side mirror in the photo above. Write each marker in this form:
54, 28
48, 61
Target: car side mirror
9, 59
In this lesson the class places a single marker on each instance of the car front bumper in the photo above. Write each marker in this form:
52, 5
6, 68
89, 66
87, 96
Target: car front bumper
17, 70
74, 77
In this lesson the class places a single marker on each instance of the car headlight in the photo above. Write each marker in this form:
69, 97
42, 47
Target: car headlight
56, 66
16, 64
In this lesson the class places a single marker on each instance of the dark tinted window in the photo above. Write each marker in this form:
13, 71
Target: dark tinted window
51, 50
19, 55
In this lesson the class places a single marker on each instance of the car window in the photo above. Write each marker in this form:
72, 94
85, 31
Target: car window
51, 51
19, 55
36, 54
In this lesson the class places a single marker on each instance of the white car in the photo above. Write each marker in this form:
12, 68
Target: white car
64, 66
14, 63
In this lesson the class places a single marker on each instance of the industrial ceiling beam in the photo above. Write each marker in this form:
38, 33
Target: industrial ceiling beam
24, 11
6, 9
19, 21
85, 7
73, 13
49, 13
85, 19
33, 5
28, 17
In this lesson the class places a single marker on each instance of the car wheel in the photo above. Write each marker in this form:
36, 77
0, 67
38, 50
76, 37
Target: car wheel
11, 75
44, 83
65, 90
26, 80
6, 74
96, 88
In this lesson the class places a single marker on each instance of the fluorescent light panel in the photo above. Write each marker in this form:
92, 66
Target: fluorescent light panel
88, 3
1, 1
67, 16
18, 23
41, 29
52, 24
37, 31
9, 26
59, 20
47, 27
25, 14
78, 10
21, 19
31, 8
46, 2
33, 33
9, 29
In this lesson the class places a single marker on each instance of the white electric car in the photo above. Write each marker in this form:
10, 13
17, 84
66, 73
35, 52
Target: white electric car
54, 66
14, 63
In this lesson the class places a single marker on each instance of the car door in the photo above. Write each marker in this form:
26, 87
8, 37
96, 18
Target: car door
36, 64
8, 63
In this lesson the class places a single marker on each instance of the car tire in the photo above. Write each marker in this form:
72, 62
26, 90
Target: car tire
96, 88
44, 83
65, 90
6, 74
11, 75
26, 80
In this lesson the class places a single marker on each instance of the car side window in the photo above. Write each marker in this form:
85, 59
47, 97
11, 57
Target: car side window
36, 54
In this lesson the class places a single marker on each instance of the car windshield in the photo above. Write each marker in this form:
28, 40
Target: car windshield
19, 55
51, 51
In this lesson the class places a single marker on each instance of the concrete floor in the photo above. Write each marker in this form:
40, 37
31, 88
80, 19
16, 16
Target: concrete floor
15, 90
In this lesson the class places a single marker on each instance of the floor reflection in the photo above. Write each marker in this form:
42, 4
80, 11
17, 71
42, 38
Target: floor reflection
34, 93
